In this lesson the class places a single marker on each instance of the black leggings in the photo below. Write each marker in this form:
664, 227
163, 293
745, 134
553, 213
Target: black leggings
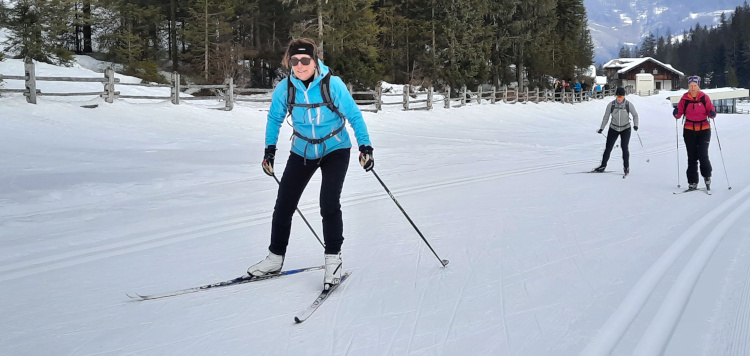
624, 141
296, 175
696, 144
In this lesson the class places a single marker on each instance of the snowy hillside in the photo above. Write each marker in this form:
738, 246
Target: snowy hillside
151, 197
617, 23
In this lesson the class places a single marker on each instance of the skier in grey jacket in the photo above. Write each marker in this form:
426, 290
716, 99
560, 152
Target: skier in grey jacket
619, 111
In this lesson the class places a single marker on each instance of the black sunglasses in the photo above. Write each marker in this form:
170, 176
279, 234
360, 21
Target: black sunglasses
304, 60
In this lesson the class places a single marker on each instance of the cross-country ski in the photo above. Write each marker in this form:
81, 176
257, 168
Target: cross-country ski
322, 297
232, 282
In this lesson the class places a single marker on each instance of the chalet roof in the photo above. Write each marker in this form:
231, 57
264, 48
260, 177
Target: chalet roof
714, 94
627, 64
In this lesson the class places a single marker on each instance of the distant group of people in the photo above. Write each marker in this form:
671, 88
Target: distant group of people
561, 87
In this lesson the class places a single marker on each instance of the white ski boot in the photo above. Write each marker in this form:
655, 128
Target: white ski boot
272, 264
333, 270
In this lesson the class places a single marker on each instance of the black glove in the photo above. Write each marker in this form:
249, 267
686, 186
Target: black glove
600, 131
635, 128
712, 114
365, 157
268, 158
675, 112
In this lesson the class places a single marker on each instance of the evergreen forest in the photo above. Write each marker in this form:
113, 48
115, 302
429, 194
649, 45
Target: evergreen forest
424, 42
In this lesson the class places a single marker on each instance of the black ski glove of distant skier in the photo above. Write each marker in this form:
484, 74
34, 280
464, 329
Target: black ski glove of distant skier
365, 158
268, 158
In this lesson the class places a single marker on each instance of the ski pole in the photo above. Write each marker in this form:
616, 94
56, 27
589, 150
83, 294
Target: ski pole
443, 262
303, 217
677, 140
721, 154
639, 138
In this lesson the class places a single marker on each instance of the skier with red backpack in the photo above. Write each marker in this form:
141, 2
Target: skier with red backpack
697, 108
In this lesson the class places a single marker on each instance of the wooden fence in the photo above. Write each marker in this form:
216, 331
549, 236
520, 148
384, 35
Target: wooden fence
374, 100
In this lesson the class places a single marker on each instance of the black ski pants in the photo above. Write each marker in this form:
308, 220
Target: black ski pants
612, 135
297, 174
696, 144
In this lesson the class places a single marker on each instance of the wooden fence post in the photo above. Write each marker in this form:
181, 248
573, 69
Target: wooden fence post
429, 98
493, 99
229, 95
28, 67
379, 96
109, 86
479, 95
463, 95
175, 89
447, 97
406, 97
349, 88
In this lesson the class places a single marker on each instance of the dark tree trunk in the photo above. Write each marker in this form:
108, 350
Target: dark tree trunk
87, 26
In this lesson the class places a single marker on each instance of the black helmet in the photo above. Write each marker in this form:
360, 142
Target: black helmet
620, 92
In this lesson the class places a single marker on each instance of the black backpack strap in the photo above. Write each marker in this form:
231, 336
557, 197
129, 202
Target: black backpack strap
688, 102
612, 108
325, 93
291, 94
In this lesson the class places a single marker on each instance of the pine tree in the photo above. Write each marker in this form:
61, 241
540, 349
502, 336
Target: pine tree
532, 23
648, 47
3, 22
624, 52
352, 41
209, 33
130, 34
38, 29
465, 51
574, 41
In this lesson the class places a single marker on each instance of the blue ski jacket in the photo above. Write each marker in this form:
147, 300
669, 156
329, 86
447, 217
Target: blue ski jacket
315, 123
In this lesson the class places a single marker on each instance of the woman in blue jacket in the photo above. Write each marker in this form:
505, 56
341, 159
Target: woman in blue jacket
320, 141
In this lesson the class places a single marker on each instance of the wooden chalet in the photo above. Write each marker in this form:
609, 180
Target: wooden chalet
638, 75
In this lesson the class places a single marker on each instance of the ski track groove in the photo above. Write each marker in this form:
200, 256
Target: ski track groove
658, 334
502, 298
122, 246
455, 309
741, 327
140, 242
619, 322
416, 319
732, 320
129, 199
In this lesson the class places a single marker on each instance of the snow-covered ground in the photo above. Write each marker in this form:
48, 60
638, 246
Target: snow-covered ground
139, 197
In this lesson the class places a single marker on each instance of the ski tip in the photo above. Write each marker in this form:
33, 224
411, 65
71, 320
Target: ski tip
137, 297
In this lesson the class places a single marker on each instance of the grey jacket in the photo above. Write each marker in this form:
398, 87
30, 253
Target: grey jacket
620, 118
